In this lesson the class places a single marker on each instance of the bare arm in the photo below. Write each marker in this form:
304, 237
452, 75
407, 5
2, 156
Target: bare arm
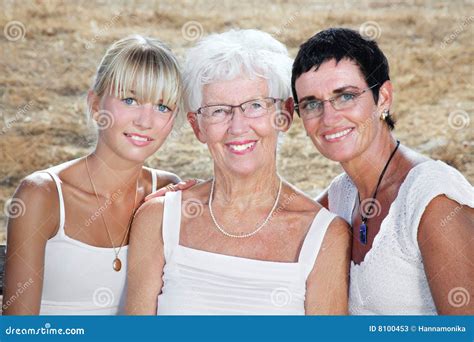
446, 239
145, 259
28, 231
327, 286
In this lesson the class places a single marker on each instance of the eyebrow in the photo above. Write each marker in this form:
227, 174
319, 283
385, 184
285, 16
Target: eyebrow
225, 104
336, 91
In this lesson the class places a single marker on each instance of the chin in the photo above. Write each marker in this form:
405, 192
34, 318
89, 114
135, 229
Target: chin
138, 158
242, 170
338, 154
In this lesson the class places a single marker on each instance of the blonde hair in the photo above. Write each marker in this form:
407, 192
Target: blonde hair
144, 65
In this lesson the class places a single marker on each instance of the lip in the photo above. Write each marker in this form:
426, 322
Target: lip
337, 130
139, 143
240, 143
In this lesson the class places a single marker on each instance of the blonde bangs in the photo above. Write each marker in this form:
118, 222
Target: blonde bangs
141, 68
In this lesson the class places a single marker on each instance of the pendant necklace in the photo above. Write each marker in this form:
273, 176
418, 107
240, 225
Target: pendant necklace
365, 215
117, 263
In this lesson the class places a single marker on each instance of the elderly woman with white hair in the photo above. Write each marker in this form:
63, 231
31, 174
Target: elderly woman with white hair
256, 245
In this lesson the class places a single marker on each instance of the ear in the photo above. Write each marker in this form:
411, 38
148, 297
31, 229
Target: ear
93, 101
385, 96
193, 121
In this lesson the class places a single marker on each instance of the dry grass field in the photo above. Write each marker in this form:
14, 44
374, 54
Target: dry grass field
50, 49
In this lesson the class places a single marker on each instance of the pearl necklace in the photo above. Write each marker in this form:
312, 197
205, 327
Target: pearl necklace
247, 234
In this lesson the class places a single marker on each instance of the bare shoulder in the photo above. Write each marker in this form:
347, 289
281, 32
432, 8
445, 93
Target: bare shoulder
35, 205
38, 189
339, 230
444, 212
295, 200
147, 221
199, 192
150, 210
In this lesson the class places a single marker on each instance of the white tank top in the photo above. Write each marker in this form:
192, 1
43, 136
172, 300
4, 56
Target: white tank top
78, 278
197, 282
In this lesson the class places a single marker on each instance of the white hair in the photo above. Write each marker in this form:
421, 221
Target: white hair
225, 56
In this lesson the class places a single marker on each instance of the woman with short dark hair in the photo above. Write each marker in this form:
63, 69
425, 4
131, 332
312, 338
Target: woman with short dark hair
412, 217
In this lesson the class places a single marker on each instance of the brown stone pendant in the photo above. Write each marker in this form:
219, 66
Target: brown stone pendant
117, 264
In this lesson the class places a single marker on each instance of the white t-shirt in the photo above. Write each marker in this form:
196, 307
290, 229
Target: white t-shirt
391, 280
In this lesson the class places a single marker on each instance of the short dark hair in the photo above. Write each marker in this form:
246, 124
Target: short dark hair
343, 43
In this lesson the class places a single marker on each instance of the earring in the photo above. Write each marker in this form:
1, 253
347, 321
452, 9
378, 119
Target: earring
384, 114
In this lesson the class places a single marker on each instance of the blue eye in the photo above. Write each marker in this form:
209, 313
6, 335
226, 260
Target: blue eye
219, 112
162, 108
130, 101
347, 97
256, 105
312, 105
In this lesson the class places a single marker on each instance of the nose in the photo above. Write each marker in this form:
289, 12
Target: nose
238, 122
143, 117
330, 116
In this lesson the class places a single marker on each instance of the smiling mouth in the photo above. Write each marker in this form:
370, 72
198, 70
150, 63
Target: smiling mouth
138, 137
241, 148
338, 135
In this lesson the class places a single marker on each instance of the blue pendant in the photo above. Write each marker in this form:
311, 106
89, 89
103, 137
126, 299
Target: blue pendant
363, 233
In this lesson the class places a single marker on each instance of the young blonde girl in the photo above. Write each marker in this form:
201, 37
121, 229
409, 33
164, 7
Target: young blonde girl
70, 246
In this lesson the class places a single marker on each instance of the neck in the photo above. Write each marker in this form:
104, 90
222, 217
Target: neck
111, 175
258, 189
366, 168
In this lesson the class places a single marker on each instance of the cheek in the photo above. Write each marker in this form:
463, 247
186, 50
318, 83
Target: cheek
212, 134
119, 116
311, 126
164, 125
363, 113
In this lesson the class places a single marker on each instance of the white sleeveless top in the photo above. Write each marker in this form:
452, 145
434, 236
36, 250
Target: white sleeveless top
391, 280
78, 278
197, 282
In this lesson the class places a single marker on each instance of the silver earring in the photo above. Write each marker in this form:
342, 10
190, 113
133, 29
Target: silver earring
384, 114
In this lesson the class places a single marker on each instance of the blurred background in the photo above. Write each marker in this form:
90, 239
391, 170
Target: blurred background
50, 49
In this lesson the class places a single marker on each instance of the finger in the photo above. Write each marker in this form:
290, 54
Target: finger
186, 184
158, 193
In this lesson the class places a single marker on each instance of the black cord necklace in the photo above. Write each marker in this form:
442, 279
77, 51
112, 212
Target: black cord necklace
365, 215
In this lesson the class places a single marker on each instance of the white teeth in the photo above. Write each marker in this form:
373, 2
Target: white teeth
137, 138
241, 147
338, 134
